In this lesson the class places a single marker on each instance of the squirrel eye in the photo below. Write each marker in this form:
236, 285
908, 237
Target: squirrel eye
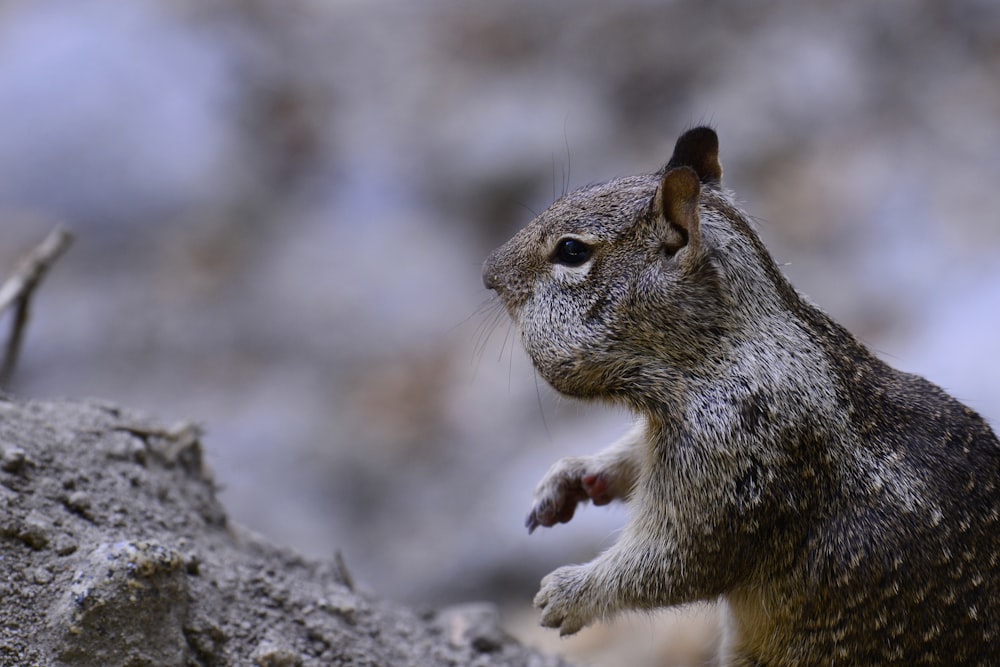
571, 252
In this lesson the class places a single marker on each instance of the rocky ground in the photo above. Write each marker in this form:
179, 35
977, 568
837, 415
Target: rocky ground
116, 551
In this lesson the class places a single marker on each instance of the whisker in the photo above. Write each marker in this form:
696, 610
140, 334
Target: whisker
503, 345
486, 305
491, 312
541, 408
533, 212
485, 332
553, 175
510, 357
569, 159
484, 329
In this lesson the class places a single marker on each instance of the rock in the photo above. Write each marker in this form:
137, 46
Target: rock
12, 459
129, 559
36, 530
270, 654
127, 603
475, 624
79, 502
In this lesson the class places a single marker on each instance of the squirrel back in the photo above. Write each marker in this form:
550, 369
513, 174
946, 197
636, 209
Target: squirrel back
843, 511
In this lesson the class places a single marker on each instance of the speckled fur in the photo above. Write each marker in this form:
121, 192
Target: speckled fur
842, 512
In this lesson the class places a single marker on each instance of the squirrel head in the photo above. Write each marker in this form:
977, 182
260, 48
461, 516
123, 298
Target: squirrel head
633, 284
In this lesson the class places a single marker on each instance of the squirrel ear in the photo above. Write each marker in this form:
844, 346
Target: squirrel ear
676, 203
698, 149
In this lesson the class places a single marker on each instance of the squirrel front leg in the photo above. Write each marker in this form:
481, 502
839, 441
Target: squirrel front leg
654, 563
635, 573
601, 478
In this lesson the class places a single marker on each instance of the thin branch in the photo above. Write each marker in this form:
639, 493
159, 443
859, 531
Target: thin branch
17, 291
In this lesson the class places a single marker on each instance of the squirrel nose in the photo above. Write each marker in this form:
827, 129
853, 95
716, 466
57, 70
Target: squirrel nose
490, 279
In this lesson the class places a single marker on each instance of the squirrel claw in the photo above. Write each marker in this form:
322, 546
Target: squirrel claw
548, 513
563, 488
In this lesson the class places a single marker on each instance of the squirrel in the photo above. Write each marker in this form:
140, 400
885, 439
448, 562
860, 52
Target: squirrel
840, 511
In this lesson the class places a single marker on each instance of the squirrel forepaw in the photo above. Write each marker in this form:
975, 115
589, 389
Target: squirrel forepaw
568, 483
564, 600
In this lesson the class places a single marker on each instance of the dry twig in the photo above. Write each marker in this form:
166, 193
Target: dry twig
17, 290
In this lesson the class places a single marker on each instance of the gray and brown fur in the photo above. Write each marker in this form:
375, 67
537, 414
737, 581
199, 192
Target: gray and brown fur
841, 511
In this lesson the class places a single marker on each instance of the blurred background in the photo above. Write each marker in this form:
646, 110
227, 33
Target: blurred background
282, 206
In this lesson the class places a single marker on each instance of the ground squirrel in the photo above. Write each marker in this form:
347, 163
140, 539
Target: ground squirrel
841, 511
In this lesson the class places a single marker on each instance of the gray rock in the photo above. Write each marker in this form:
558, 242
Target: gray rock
156, 575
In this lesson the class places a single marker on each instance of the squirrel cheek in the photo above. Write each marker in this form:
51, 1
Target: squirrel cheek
570, 275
